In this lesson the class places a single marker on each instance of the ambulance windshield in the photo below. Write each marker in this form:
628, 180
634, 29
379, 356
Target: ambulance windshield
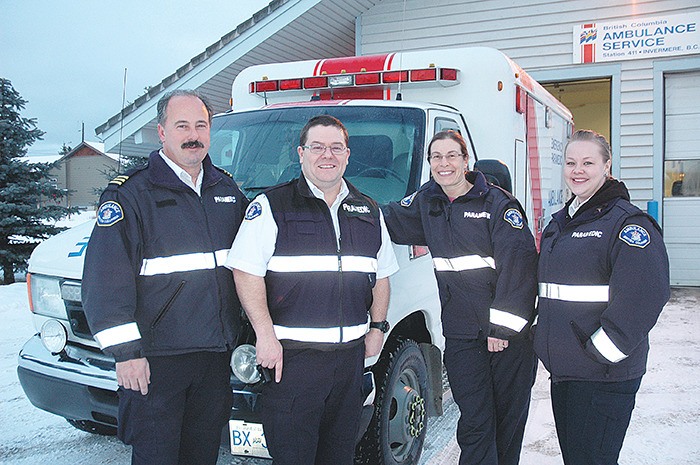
260, 147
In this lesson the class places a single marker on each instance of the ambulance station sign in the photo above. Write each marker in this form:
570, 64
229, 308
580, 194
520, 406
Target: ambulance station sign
637, 38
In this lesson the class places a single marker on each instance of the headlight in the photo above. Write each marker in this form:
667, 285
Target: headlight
54, 336
46, 297
243, 364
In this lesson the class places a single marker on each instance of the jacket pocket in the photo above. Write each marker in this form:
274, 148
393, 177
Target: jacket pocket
303, 223
284, 293
168, 304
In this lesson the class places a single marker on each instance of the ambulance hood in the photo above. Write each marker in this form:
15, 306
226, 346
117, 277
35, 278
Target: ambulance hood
62, 255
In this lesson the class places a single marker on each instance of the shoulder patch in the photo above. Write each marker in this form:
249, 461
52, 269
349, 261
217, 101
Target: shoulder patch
407, 201
514, 217
109, 213
254, 210
635, 235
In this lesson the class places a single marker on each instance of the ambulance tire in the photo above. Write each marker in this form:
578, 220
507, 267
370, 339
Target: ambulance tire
396, 433
93, 427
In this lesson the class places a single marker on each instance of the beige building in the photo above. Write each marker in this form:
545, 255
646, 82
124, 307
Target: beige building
84, 172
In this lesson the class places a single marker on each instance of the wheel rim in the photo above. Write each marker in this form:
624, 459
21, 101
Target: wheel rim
407, 415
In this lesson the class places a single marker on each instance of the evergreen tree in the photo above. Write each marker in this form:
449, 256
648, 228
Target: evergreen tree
29, 203
65, 149
126, 163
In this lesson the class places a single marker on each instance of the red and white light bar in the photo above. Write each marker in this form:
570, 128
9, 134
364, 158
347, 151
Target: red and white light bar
363, 78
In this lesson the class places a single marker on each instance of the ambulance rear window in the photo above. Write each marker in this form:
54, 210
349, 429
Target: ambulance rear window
260, 147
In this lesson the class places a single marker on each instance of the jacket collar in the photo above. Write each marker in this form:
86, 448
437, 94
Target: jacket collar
302, 186
601, 201
159, 173
479, 187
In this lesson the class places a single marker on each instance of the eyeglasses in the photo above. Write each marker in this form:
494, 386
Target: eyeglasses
436, 157
320, 149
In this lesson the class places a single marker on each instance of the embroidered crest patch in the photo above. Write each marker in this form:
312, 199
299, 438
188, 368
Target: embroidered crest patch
254, 210
513, 216
407, 201
635, 235
109, 213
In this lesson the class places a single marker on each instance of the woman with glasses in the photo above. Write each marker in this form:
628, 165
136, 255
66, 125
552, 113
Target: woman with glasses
485, 263
603, 280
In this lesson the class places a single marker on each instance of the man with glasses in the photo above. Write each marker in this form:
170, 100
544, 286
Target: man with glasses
311, 260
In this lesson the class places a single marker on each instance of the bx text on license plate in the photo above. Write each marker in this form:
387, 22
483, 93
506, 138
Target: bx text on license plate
247, 439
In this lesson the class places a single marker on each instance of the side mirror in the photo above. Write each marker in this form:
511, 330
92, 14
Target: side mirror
496, 172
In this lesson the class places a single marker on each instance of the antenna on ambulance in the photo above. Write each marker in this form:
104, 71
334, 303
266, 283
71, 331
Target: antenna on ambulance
121, 124
403, 32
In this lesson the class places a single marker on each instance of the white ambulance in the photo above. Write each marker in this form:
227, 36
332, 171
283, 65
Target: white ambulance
392, 105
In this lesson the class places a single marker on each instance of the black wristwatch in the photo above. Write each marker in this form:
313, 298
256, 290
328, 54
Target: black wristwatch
382, 326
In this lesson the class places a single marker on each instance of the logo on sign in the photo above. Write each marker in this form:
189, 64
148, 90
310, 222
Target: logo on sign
589, 35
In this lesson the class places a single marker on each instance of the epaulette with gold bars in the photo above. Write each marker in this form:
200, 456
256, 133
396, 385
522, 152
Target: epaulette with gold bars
224, 171
119, 180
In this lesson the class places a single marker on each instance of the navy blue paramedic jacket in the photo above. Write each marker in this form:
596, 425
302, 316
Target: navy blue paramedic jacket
603, 280
484, 256
154, 281
313, 284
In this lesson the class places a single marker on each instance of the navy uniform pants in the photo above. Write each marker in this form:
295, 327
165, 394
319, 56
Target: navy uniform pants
592, 418
181, 418
311, 416
492, 390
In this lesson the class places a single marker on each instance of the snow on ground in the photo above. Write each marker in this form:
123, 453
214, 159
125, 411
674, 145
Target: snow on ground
665, 424
76, 218
664, 431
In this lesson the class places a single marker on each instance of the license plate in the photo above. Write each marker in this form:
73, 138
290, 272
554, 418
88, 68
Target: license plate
247, 439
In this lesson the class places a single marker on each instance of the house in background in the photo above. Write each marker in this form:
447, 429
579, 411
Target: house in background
84, 172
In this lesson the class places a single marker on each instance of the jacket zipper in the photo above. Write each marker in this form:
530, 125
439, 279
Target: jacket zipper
213, 249
168, 304
340, 282
340, 268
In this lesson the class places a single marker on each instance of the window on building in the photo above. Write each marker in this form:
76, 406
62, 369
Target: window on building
682, 178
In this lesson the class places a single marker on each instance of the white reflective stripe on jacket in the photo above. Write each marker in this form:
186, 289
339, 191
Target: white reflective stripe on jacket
311, 263
574, 293
185, 262
118, 335
606, 346
466, 262
506, 319
328, 335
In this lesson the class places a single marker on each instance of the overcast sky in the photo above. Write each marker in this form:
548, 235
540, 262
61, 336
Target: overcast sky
67, 57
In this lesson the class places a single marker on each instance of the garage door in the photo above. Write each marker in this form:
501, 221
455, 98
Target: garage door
681, 209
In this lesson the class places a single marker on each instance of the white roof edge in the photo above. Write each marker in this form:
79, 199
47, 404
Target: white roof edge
283, 14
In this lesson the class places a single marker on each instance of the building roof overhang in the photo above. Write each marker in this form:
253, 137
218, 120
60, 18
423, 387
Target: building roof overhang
285, 30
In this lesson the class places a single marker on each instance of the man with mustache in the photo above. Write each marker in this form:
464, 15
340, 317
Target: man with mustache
156, 294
